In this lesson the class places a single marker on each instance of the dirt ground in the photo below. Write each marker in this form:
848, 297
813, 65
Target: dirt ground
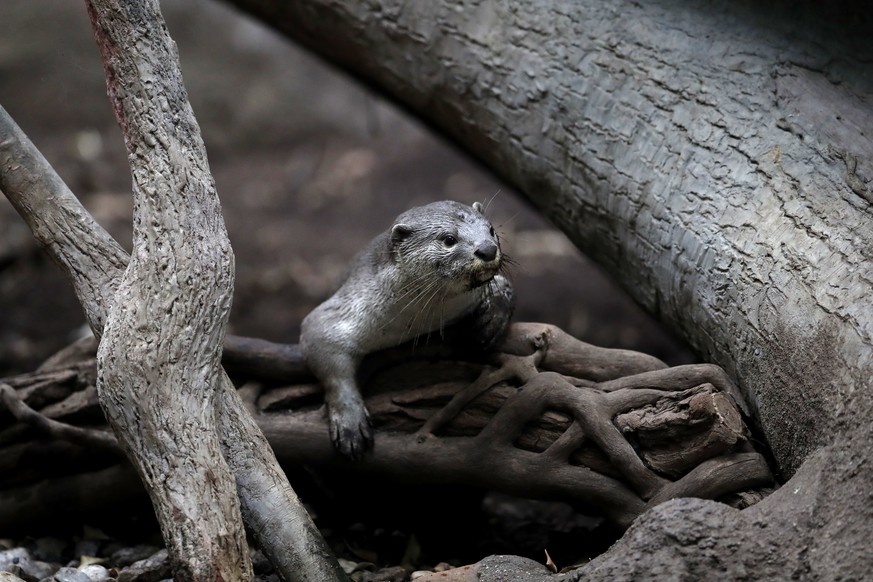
309, 167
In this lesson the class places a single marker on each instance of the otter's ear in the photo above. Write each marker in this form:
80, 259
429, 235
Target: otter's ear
477, 206
400, 232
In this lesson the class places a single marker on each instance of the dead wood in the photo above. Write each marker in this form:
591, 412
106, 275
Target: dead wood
161, 316
547, 416
43, 423
695, 181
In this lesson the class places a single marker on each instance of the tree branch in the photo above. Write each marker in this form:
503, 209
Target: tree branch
85, 252
56, 430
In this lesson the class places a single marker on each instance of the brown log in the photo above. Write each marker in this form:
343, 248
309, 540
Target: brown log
613, 433
682, 429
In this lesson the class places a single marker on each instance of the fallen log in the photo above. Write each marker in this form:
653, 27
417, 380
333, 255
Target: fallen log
546, 416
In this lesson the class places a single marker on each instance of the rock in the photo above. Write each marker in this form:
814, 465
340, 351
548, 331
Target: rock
70, 575
127, 556
96, 573
493, 569
37, 569
88, 547
13, 556
390, 574
467, 573
9, 577
153, 569
19, 562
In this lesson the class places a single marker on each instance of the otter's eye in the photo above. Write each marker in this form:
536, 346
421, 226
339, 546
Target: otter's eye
492, 231
450, 240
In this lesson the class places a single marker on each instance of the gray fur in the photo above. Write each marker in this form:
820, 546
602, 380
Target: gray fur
438, 265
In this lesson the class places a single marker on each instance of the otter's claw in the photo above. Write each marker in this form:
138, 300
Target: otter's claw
488, 322
350, 432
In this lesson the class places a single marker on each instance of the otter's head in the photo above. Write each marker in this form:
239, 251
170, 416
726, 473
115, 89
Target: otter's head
447, 240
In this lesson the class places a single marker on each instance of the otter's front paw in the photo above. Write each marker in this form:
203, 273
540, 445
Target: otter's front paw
350, 431
490, 319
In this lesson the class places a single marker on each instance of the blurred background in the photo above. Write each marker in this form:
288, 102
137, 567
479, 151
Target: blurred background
309, 166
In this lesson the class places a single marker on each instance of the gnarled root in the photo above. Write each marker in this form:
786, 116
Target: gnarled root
547, 416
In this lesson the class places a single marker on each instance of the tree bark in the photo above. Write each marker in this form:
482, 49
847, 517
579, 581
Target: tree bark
716, 159
163, 319
713, 158
158, 363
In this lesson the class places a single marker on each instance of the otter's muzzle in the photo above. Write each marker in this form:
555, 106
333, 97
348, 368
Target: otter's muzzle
487, 263
486, 251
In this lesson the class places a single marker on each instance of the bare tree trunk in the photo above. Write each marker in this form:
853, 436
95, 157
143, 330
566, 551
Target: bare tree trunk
716, 158
159, 358
163, 319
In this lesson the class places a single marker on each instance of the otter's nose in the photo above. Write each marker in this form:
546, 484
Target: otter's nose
486, 251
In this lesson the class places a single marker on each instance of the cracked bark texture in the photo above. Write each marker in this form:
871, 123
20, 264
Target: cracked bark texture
164, 313
714, 157
159, 359
161, 386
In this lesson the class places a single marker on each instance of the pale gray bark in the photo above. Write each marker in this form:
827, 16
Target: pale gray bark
159, 359
164, 317
685, 148
713, 157
716, 158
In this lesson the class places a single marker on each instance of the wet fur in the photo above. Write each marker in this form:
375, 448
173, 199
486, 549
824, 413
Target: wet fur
409, 281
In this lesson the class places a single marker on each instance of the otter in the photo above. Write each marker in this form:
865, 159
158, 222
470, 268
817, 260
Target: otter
439, 265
